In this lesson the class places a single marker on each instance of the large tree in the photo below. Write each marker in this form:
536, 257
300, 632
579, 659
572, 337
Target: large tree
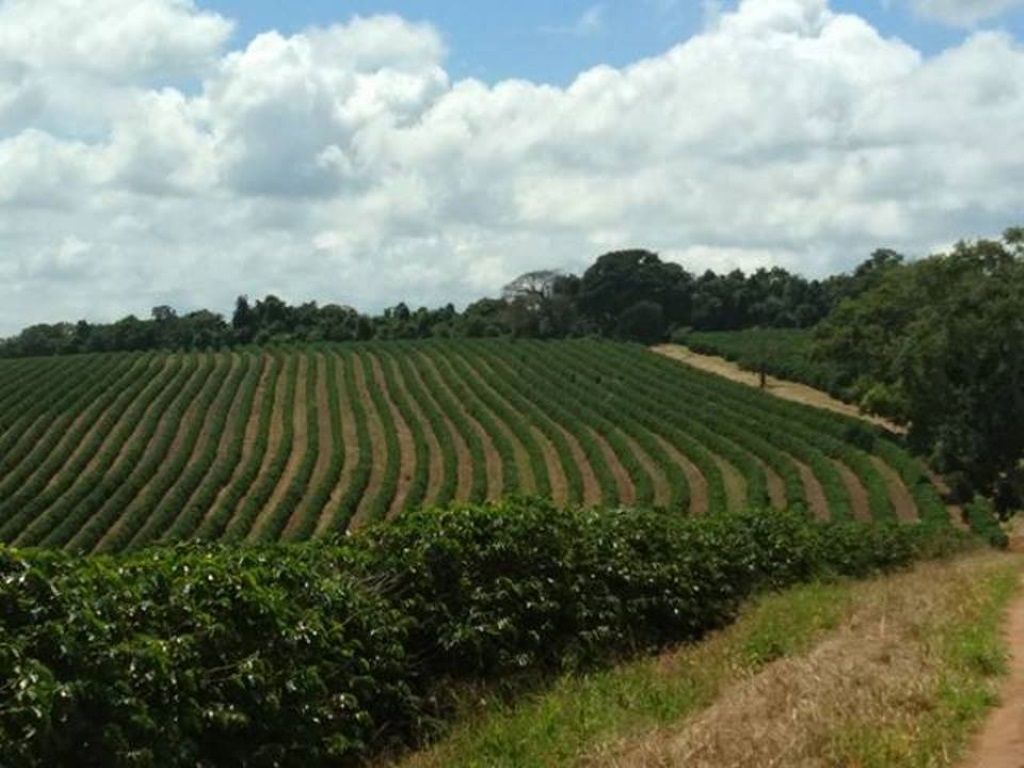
941, 342
621, 280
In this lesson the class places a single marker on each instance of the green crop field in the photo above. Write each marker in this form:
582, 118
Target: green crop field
106, 453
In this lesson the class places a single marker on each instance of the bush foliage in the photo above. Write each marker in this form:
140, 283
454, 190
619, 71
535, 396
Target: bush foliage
325, 653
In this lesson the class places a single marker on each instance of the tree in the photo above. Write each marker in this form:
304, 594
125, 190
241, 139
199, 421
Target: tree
643, 322
243, 321
620, 280
942, 339
540, 303
164, 314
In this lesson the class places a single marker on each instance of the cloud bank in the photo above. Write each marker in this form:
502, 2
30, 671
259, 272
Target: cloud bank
142, 162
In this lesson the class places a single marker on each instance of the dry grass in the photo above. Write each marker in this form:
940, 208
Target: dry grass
901, 682
897, 671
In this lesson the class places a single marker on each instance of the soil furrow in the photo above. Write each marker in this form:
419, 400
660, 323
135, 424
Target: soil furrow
435, 465
325, 442
902, 502
378, 445
698, 484
859, 503
406, 444
464, 459
350, 440
492, 459
297, 452
815, 494
251, 430
624, 483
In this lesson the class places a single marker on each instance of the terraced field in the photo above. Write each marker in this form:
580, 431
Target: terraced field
113, 452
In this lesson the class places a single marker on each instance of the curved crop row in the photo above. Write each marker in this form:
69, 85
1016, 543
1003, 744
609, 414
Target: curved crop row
416, 476
194, 510
613, 427
66, 466
281, 510
221, 517
74, 414
310, 514
118, 452
278, 452
435, 425
384, 486
75, 506
569, 412
511, 422
185, 470
459, 421
115, 503
833, 435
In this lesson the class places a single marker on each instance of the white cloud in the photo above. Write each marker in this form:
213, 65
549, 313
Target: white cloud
964, 12
120, 40
343, 164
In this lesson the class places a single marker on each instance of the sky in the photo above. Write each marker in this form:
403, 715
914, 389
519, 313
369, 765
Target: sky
363, 152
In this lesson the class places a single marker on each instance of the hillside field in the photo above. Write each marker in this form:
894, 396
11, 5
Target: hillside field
105, 453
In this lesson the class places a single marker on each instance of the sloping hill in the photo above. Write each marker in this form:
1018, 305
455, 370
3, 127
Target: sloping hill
113, 452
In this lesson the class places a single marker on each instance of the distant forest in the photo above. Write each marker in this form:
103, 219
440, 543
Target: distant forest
630, 295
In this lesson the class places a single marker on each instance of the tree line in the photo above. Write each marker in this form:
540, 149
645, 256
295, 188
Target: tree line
630, 295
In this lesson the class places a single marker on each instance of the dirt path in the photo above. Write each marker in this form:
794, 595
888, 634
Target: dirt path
801, 393
859, 503
699, 504
1000, 743
877, 668
787, 390
902, 502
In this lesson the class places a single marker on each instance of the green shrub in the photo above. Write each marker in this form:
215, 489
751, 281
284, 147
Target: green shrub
193, 656
325, 653
982, 518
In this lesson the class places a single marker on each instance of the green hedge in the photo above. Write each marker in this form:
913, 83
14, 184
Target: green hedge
326, 653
